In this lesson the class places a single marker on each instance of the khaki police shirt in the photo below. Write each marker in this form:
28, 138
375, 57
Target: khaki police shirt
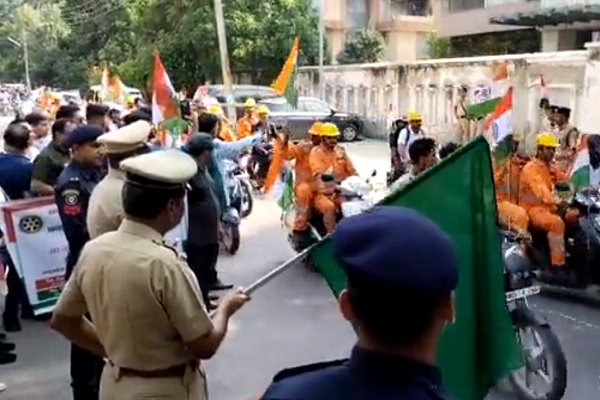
144, 301
105, 210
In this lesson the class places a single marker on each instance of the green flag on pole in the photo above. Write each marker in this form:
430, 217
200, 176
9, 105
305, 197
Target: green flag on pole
481, 347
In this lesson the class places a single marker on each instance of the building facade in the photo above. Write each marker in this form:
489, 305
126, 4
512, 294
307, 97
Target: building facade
564, 24
405, 25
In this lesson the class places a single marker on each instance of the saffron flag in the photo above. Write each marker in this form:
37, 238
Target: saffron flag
480, 348
165, 107
284, 85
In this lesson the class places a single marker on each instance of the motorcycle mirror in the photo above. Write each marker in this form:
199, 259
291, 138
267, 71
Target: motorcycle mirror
374, 173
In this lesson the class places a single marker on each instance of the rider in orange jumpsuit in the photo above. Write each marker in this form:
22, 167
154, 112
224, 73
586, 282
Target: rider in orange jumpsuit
330, 161
537, 197
245, 125
506, 178
225, 131
304, 190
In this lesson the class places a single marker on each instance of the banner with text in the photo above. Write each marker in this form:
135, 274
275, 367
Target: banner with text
37, 245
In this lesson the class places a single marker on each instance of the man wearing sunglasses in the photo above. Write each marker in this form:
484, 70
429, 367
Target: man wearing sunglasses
72, 194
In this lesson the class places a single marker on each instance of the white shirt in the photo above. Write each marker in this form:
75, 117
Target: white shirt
595, 177
406, 137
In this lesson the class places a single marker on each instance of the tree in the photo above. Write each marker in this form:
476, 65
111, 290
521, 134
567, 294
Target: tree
438, 47
366, 46
82, 35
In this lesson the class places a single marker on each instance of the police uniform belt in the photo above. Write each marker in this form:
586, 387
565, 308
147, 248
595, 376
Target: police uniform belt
171, 372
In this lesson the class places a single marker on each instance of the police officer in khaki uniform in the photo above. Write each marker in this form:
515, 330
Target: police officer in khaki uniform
105, 211
150, 323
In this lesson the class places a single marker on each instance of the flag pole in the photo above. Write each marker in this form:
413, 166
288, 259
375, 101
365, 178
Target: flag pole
225, 70
274, 273
321, 49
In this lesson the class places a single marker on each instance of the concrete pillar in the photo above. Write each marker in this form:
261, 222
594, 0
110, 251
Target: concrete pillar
588, 117
558, 40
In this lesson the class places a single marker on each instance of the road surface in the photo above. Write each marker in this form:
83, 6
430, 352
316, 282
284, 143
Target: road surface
290, 321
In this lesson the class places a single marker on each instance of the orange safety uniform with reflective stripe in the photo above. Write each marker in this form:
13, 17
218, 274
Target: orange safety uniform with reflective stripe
245, 125
225, 132
324, 160
506, 178
535, 195
304, 189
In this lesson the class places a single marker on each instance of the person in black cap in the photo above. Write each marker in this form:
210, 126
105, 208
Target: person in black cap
398, 305
72, 193
202, 244
568, 137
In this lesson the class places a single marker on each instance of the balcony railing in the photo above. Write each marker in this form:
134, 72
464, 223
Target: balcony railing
395, 8
568, 3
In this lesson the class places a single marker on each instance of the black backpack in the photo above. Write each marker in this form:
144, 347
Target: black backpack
395, 130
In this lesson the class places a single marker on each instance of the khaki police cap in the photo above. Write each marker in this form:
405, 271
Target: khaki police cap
127, 138
163, 169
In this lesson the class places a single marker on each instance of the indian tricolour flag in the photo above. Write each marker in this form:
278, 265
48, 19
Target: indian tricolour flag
500, 123
581, 169
165, 106
486, 98
284, 85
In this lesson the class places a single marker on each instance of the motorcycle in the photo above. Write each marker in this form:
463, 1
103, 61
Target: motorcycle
542, 352
358, 195
256, 164
238, 183
582, 246
230, 222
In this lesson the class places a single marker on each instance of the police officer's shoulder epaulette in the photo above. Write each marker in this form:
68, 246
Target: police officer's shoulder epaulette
166, 246
303, 369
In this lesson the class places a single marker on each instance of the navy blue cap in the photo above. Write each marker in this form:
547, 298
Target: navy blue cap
84, 134
399, 247
198, 142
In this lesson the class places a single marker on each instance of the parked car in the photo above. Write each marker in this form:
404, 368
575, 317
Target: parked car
240, 94
309, 110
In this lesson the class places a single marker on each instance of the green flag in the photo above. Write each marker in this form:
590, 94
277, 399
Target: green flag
480, 348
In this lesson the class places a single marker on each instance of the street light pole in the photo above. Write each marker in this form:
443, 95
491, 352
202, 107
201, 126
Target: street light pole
321, 48
225, 70
23, 45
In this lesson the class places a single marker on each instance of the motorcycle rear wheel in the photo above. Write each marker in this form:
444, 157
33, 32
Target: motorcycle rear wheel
247, 199
554, 362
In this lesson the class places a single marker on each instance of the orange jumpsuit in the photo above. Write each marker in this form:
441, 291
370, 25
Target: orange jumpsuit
323, 160
245, 125
303, 182
535, 194
226, 133
506, 178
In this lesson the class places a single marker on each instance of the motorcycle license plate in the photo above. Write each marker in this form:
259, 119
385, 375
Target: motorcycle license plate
522, 293
350, 208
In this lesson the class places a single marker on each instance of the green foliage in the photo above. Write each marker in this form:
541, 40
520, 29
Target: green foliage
438, 47
366, 46
70, 39
510, 42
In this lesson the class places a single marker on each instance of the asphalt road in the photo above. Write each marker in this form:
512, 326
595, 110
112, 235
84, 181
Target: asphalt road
290, 321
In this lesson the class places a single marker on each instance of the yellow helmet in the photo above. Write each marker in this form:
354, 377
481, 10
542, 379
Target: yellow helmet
546, 140
414, 116
215, 109
329, 130
263, 110
315, 129
250, 103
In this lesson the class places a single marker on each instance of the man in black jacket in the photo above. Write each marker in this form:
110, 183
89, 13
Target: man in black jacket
202, 245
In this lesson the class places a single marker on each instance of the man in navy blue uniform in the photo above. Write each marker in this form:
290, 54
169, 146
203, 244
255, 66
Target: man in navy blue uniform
402, 271
72, 193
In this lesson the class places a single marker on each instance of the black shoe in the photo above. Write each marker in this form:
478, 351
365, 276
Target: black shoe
11, 324
218, 285
2, 337
6, 347
7, 358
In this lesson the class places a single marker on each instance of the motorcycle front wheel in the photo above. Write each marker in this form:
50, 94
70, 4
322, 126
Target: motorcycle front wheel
544, 359
231, 238
247, 199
